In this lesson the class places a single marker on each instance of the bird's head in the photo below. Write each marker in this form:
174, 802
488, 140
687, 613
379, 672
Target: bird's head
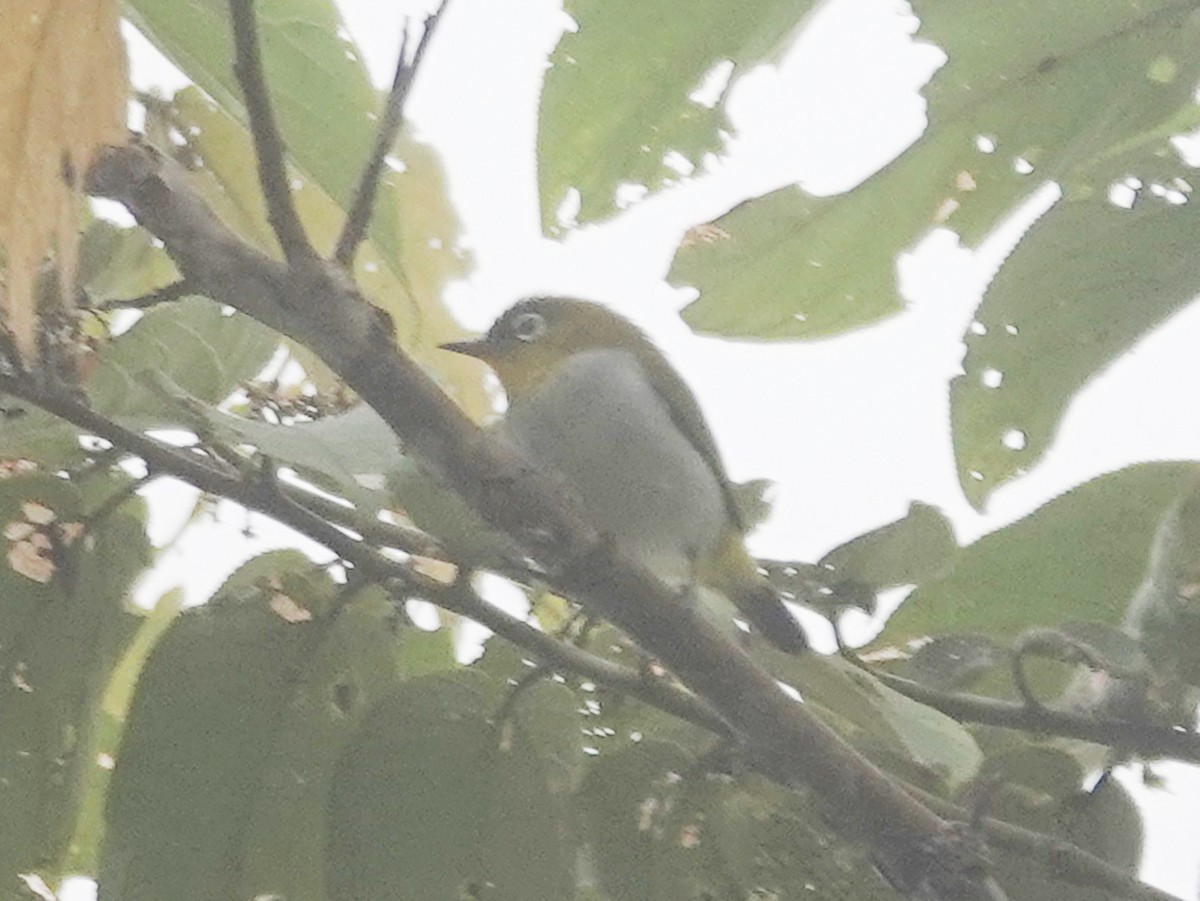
535, 336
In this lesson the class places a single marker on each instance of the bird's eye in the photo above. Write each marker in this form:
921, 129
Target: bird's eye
528, 327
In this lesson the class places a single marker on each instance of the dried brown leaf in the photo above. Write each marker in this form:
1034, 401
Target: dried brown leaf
62, 97
288, 610
28, 561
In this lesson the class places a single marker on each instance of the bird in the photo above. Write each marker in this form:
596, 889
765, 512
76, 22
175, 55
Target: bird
593, 400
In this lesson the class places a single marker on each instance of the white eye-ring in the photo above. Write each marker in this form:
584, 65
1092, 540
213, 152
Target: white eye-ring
528, 326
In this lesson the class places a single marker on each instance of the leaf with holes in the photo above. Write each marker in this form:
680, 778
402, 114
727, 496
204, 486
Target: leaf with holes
360, 660
616, 99
1059, 89
1083, 285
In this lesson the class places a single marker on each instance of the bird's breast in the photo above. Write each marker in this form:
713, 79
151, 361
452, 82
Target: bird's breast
600, 424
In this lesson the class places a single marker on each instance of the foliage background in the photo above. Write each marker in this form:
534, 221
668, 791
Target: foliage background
864, 414
851, 453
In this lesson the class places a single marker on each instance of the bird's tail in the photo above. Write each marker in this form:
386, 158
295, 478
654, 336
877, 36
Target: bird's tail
736, 575
765, 610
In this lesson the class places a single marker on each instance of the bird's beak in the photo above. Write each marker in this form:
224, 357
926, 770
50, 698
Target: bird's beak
479, 348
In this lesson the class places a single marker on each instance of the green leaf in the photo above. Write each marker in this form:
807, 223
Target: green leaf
62, 626
106, 733
545, 716
28, 433
1085, 282
931, 740
201, 730
660, 826
1105, 822
405, 278
615, 99
906, 552
357, 664
1034, 774
611, 720
121, 263
433, 800
1064, 87
1166, 613
818, 588
1078, 557
422, 653
951, 662
241, 715
323, 100
634, 812
899, 734
774, 844
328, 114
195, 344
348, 453
790, 265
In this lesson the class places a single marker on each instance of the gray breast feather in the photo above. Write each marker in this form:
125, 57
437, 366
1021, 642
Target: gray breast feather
601, 425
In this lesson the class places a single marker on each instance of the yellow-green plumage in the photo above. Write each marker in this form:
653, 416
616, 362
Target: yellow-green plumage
591, 398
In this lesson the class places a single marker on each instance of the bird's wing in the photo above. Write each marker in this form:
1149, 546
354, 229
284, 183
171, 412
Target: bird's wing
688, 418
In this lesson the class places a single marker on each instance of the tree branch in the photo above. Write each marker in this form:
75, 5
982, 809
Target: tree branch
374, 531
1146, 739
557, 654
355, 228
268, 145
318, 306
176, 290
297, 508
289, 505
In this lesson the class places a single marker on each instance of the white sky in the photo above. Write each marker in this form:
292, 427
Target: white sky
839, 105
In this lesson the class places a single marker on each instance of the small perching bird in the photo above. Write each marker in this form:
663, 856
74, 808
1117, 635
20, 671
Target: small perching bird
591, 398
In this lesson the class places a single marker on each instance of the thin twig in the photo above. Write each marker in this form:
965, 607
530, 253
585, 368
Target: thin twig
1147, 739
374, 531
1054, 645
268, 144
1061, 859
1021, 682
661, 693
281, 503
116, 500
355, 228
164, 459
166, 294
528, 679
